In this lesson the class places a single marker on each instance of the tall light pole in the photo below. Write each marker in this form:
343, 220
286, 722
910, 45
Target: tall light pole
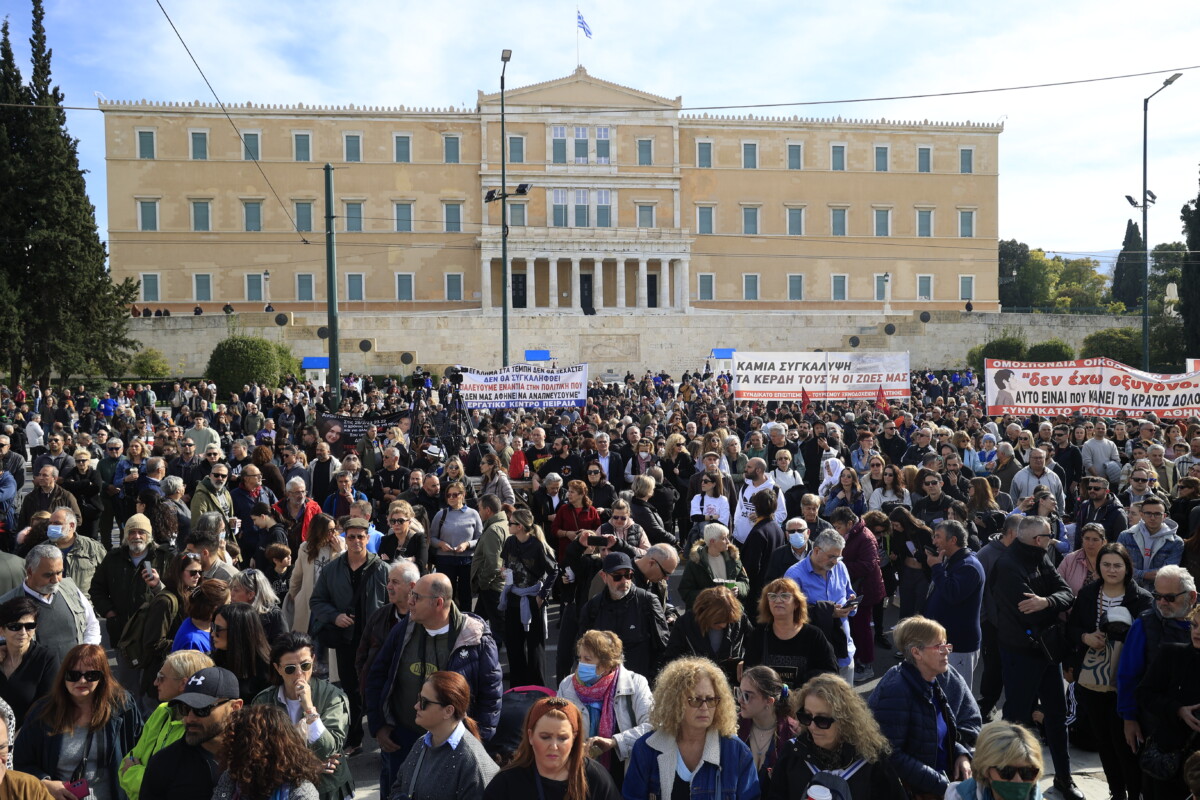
505, 55
1145, 222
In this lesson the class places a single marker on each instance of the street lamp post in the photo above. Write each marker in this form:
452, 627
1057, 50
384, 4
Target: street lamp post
505, 55
1145, 221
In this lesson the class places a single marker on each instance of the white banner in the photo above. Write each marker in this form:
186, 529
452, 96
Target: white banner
1097, 387
823, 376
525, 386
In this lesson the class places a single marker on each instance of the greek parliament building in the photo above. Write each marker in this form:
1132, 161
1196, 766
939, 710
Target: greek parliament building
632, 204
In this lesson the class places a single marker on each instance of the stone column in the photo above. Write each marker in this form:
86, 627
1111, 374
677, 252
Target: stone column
509, 289
685, 286
485, 283
641, 283
665, 298
598, 283
531, 283
553, 284
620, 281
575, 304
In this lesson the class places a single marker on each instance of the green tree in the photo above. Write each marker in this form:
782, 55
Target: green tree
1080, 284
1130, 268
149, 363
1189, 278
1037, 280
1050, 350
1166, 267
1121, 344
239, 360
288, 363
1009, 346
65, 313
1012, 257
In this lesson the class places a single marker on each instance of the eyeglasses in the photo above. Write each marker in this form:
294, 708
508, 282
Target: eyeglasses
944, 647
219, 628
1139, 480
113, 449
303, 666
424, 702
21, 626
619, 518
219, 476
399, 520
932, 483
193, 572
1152, 513
805, 719
1165, 598
779, 597
1008, 772
413, 594
623, 575
187, 446
181, 710
745, 697
454, 494
91, 675
703, 702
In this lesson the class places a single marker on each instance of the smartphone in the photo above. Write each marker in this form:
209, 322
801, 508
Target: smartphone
146, 568
852, 602
933, 551
595, 540
78, 788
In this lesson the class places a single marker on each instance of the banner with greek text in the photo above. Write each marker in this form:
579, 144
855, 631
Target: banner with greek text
525, 386
823, 376
1090, 386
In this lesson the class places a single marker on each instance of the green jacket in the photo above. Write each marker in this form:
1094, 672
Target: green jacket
206, 499
160, 730
82, 560
486, 564
118, 586
697, 574
334, 708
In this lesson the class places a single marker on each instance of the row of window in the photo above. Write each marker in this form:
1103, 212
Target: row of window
302, 216
838, 287
839, 217
583, 150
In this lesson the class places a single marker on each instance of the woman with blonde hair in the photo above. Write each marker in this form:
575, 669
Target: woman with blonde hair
1007, 766
839, 739
785, 640
693, 750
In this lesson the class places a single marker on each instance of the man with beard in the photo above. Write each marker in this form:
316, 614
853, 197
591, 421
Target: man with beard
562, 461
189, 768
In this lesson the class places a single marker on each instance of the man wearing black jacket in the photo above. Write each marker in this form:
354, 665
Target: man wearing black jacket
1100, 505
633, 614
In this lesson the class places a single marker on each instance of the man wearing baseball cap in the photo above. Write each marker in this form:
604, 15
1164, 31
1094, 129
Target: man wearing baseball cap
635, 615
189, 768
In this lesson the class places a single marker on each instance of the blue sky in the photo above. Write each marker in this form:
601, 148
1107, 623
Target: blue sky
1068, 156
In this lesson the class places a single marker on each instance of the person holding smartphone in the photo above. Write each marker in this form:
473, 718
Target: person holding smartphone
530, 571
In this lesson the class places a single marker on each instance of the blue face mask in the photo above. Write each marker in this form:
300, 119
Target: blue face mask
797, 540
54, 532
587, 674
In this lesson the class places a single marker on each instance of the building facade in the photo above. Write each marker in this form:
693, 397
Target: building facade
631, 204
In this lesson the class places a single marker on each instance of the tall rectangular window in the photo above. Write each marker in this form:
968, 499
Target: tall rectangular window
603, 145
304, 217
837, 157
704, 155
516, 149
559, 214
604, 208
453, 212
517, 214
795, 287
881, 159
354, 217
750, 221
795, 156
966, 161
404, 287
924, 222
837, 221
704, 219
795, 221
454, 286
250, 147
200, 221
145, 144
837, 285
304, 287
924, 287
558, 144
880, 288
581, 208
883, 222
404, 217
353, 142
252, 215
749, 287
645, 216
924, 159
966, 287
706, 286
199, 145
355, 291
581, 145
202, 288
749, 155
149, 287
403, 147
302, 146
450, 149
254, 287
966, 224
645, 151
147, 215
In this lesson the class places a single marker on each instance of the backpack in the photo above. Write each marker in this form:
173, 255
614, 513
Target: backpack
131, 645
836, 780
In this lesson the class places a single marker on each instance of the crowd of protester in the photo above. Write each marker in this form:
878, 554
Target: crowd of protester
270, 600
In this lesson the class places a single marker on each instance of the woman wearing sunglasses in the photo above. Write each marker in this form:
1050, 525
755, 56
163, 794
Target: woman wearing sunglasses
449, 762
839, 742
78, 732
693, 750
27, 669
313, 703
1007, 766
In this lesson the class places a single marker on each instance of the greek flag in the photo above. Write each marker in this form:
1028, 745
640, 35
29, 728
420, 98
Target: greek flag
582, 24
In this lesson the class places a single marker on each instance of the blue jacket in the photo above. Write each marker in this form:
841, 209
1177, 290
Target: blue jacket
330, 504
904, 708
1147, 635
474, 657
726, 769
1166, 548
8, 501
956, 598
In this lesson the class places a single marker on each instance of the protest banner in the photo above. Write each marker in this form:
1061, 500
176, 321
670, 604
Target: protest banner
341, 433
525, 386
1097, 387
821, 376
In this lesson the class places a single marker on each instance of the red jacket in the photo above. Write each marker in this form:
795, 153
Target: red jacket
569, 518
861, 557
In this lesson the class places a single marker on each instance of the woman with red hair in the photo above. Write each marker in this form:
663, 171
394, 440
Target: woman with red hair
550, 763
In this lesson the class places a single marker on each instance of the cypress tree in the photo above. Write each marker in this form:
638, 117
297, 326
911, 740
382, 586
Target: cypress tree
1189, 283
1129, 273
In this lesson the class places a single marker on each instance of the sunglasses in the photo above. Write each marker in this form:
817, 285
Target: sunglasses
805, 719
932, 483
303, 666
623, 575
399, 520
593, 472
91, 675
21, 626
1166, 598
620, 518
424, 702
1007, 773
181, 710
703, 702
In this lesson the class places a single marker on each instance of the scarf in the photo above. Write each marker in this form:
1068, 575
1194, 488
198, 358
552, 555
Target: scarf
602, 691
254, 493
